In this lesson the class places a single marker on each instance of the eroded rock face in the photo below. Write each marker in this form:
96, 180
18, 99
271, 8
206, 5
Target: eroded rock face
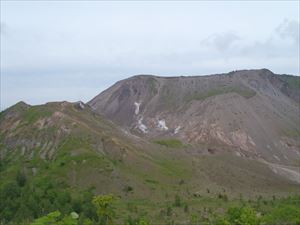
247, 111
45, 130
243, 140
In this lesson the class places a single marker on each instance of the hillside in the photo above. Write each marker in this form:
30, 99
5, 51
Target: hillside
253, 113
58, 155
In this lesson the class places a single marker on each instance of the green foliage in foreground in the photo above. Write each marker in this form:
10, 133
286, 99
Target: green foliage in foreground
55, 218
21, 202
171, 143
237, 215
242, 216
105, 210
50, 202
288, 214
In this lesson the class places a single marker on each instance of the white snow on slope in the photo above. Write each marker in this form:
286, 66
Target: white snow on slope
162, 125
81, 105
137, 107
177, 129
142, 126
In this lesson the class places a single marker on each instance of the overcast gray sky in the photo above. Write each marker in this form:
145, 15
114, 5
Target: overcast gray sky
53, 51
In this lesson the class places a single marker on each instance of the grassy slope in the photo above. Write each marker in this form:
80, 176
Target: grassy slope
200, 96
91, 152
292, 81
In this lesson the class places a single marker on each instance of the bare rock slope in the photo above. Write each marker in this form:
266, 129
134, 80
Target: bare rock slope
251, 113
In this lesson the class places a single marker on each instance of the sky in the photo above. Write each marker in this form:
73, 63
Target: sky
73, 50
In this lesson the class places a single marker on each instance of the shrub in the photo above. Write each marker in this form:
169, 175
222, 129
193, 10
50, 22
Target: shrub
242, 216
128, 189
104, 207
283, 214
171, 143
222, 221
169, 211
223, 196
186, 208
55, 218
21, 179
177, 201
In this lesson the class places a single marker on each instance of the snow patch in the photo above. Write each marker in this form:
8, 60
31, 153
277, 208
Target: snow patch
142, 126
137, 107
177, 129
81, 105
162, 125
238, 154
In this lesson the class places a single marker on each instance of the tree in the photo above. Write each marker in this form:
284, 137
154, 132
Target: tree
51, 218
243, 216
69, 220
142, 221
54, 218
104, 207
248, 216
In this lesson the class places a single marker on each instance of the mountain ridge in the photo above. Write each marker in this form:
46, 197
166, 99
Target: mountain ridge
149, 105
58, 155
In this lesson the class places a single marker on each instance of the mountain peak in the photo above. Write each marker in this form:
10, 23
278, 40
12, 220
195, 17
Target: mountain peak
22, 104
218, 110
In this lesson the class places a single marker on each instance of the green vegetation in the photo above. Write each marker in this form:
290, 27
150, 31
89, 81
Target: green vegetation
104, 214
177, 202
171, 143
291, 133
200, 96
292, 81
152, 85
149, 187
267, 212
47, 199
241, 216
167, 95
21, 203
151, 181
34, 113
282, 214
55, 218
105, 211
